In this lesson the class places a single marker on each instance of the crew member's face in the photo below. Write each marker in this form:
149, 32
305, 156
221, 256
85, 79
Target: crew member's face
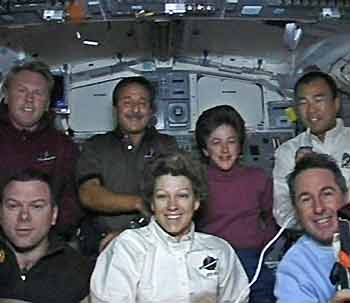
316, 107
27, 97
134, 108
317, 199
174, 204
26, 214
223, 147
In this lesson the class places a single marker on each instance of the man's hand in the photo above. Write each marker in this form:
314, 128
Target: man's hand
301, 152
342, 296
205, 298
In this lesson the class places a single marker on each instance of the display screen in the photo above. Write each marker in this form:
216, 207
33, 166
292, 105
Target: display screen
58, 99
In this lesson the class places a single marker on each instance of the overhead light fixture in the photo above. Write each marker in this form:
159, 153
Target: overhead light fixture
292, 35
90, 42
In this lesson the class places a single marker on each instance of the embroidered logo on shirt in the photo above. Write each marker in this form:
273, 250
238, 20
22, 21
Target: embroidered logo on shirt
209, 263
46, 156
2, 256
345, 162
150, 154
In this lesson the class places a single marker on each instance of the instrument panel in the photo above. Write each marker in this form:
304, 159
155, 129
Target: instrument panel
38, 11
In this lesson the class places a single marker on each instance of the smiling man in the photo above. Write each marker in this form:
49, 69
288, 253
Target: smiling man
317, 189
317, 104
111, 165
29, 139
34, 265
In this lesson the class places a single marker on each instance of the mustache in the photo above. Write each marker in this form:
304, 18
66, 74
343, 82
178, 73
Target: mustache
135, 116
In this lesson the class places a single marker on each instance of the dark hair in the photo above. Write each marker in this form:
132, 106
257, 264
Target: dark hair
311, 161
138, 80
175, 164
33, 66
313, 76
214, 117
28, 175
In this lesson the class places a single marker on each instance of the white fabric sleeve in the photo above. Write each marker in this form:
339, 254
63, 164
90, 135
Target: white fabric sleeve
282, 205
233, 281
117, 272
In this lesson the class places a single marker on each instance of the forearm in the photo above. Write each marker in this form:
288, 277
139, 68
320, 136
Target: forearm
96, 197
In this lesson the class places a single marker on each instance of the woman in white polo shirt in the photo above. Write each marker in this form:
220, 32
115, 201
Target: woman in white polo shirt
167, 261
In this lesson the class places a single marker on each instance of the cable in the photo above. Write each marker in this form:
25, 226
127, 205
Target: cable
261, 258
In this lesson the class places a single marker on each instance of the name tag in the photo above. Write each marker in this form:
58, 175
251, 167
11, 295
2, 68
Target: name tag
46, 156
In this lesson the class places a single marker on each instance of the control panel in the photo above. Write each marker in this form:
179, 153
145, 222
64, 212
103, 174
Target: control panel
150, 7
187, 143
261, 145
36, 11
173, 100
304, 9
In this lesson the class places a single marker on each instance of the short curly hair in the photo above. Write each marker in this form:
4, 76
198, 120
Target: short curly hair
214, 117
175, 164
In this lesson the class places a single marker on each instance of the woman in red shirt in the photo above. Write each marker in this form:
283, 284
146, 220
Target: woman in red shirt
240, 197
